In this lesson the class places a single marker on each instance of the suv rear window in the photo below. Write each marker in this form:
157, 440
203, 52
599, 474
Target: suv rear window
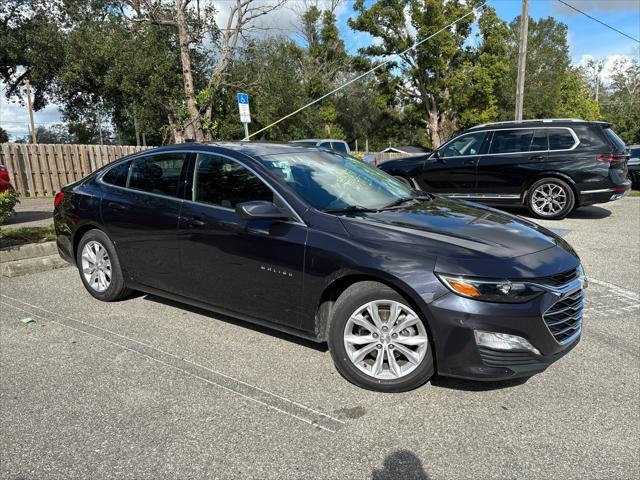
560, 139
615, 140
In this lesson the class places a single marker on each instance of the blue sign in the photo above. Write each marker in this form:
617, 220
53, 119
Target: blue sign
243, 98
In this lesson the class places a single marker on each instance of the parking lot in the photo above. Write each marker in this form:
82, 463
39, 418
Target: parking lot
147, 389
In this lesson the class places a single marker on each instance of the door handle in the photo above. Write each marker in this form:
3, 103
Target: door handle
193, 222
537, 158
469, 162
116, 206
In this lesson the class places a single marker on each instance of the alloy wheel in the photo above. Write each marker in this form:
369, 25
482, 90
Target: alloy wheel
96, 266
385, 339
548, 199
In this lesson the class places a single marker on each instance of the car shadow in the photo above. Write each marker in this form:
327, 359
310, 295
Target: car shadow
29, 216
592, 212
400, 465
320, 347
475, 385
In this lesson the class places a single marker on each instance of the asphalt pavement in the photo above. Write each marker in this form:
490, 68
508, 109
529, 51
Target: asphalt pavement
150, 389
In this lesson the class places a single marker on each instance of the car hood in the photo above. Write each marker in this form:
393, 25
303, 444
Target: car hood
452, 228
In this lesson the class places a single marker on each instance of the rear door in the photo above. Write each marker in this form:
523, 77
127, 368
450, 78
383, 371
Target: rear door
141, 216
251, 267
513, 157
453, 169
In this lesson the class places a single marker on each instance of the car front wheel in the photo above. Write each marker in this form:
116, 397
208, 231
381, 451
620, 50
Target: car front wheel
378, 341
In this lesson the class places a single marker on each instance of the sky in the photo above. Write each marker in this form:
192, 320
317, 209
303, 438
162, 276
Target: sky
587, 39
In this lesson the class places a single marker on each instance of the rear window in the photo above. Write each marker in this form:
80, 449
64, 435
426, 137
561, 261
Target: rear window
117, 175
615, 140
510, 141
339, 147
560, 139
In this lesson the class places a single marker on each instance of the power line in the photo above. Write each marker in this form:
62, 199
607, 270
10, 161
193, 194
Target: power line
415, 45
599, 21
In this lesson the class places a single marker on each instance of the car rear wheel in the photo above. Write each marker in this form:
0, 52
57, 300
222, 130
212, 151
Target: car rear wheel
99, 267
550, 198
378, 341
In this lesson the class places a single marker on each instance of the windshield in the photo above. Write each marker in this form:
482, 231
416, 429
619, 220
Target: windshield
329, 181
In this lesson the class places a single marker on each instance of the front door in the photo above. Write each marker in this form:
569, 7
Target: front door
140, 213
250, 267
514, 157
452, 169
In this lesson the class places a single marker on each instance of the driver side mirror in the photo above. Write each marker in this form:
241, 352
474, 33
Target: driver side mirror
436, 156
260, 210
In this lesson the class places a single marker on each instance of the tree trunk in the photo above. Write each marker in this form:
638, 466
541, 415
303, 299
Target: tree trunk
193, 127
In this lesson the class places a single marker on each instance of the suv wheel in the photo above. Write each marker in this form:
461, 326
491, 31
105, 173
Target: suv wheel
99, 267
550, 198
377, 340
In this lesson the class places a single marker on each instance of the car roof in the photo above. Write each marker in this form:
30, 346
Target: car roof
541, 122
247, 148
318, 140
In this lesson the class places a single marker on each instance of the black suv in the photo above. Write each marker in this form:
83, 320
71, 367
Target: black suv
551, 166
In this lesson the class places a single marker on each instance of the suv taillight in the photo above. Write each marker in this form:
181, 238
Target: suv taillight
611, 157
58, 198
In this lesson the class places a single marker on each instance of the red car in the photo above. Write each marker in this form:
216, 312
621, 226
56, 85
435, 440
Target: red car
5, 183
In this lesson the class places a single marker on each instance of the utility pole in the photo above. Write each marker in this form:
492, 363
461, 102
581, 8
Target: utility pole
135, 126
522, 58
33, 127
100, 121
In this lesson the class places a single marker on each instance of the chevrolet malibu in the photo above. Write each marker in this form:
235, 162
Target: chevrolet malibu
400, 283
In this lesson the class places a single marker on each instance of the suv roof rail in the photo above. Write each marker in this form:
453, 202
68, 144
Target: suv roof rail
539, 120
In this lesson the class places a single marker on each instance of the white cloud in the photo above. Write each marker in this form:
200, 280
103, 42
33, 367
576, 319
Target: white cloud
609, 63
14, 117
595, 6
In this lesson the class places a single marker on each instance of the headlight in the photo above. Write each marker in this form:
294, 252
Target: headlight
491, 290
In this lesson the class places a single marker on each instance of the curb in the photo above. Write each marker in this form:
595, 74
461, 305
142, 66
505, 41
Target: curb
30, 258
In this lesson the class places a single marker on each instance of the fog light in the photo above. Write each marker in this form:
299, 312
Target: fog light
503, 341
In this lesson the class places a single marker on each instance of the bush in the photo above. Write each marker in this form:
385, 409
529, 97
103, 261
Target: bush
8, 200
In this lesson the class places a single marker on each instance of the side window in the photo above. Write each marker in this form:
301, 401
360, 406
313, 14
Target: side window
469, 144
511, 141
157, 173
117, 175
325, 145
339, 147
539, 141
560, 139
223, 182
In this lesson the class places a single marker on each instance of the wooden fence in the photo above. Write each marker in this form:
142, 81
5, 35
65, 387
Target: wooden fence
41, 170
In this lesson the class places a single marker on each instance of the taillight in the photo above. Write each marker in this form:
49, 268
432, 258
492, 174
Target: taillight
4, 173
58, 198
611, 158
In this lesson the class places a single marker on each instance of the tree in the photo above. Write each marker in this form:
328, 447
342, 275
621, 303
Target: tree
4, 136
193, 32
426, 72
621, 106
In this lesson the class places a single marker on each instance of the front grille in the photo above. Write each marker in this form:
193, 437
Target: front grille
560, 278
564, 318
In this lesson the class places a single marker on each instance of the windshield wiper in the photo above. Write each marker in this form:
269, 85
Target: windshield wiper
400, 201
350, 208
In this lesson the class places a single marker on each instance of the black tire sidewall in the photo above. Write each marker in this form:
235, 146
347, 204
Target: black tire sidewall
568, 208
348, 302
117, 288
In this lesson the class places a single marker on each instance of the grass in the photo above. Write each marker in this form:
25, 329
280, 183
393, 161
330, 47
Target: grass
635, 193
13, 236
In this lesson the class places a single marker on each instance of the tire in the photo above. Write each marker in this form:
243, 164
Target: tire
105, 266
404, 180
551, 199
404, 375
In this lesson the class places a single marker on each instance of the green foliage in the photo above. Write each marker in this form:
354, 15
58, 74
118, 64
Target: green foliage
8, 200
4, 136
621, 105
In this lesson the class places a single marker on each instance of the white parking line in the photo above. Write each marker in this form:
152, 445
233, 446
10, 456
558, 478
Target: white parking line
630, 294
271, 400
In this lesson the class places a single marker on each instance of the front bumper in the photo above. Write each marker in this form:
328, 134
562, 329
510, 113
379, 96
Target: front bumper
454, 319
